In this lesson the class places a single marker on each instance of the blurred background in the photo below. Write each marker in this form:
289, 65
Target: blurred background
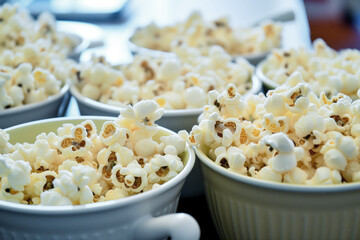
336, 21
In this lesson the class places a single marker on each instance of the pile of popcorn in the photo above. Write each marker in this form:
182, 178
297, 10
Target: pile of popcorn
25, 84
198, 33
325, 69
21, 34
180, 82
33, 64
291, 135
77, 165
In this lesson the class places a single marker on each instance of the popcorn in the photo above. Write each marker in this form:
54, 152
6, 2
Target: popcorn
31, 54
5, 146
171, 82
131, 178
39, 183
287, 156
323, 68
54, 198
163, 168
290, 136
232, 158
204, 35
76, 145
17, 173
78, 165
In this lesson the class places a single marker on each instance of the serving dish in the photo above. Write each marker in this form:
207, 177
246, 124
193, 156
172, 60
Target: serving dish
247, 208
148, 215
53, 106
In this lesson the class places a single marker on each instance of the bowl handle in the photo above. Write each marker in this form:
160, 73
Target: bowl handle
178, 226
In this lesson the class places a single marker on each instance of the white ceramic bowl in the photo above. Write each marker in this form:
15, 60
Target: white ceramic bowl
247, 208
149, 215
267, 82
53, 106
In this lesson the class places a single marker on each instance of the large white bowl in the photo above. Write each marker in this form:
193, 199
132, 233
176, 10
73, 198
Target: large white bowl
53, 106
149, 215
247, 208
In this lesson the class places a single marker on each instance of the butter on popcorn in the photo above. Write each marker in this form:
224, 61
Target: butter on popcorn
80, 164
198, 33
291, 135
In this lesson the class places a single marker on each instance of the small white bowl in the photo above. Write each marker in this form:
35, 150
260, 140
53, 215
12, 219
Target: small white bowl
53, 106
243, 207
267, 82
149, 215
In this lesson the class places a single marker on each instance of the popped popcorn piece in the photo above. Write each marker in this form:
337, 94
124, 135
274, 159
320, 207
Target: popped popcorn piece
112, 133
131, 178
39, 183
76, 145
77, 184
324, 175
5, 146
17, 172
54, 198
163, 168
287, 155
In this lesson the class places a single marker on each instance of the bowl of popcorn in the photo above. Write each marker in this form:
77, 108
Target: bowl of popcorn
253, 43
30, 93
281, 166
21, 32
178, 84
324, 68
94, 178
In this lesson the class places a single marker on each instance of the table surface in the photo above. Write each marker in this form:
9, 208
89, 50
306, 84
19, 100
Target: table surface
114, 36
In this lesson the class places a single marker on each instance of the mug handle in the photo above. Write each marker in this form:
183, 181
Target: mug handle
178, 226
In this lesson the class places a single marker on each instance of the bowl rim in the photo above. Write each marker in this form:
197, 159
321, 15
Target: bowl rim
255, 88
49, 100
259, 72
99, 206
283, 187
